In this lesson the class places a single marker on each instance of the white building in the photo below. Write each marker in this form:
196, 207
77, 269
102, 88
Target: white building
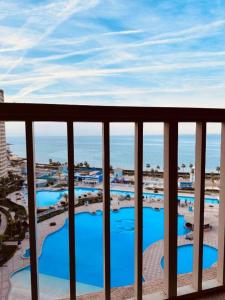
118, 172
3, 155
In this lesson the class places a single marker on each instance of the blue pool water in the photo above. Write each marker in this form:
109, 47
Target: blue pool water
26, 253
161, 196
54, 260
186, 253
48, 198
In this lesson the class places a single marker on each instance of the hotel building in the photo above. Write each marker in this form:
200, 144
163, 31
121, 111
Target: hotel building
3, 156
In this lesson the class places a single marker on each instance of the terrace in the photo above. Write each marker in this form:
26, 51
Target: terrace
30, 113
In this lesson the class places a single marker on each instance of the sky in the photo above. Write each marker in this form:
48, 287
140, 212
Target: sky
113, 52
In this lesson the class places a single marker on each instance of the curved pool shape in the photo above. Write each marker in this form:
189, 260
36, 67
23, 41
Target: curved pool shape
185, 258
48, 198
54, 260
26, 253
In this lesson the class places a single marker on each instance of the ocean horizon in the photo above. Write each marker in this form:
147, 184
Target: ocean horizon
89, 148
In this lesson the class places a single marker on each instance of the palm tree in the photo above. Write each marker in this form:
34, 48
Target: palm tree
147, 167
191, 166
152, 171
218, 169
86, 164
158, 167
183, 167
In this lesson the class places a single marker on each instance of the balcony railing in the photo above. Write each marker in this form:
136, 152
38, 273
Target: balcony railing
70, 114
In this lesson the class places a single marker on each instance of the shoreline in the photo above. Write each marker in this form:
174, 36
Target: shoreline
153, 143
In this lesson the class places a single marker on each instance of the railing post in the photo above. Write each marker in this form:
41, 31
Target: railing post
170, 208
138, 209
106, 209
221, 233
70, 147
200, 153
32, 210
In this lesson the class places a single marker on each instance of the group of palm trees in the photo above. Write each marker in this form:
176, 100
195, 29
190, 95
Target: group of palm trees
10, 184
182, 167
78, 165
83, 164
152, 170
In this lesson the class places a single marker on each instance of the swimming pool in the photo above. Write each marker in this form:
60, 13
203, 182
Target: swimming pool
186, 251
49, 198
54, 260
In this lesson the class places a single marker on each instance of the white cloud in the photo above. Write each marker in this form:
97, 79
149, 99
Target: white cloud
101, 52
55, 13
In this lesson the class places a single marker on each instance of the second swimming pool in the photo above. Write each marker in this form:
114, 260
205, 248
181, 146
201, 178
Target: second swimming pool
47, 197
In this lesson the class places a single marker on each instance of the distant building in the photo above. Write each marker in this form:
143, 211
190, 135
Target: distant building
118, 176
118, 172
3, 152
185, 185
39, 183
89, 177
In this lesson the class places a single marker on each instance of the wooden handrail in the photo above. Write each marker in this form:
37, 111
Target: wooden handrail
65, 113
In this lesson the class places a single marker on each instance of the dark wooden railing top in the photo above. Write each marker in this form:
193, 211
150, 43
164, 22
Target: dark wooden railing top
65, 113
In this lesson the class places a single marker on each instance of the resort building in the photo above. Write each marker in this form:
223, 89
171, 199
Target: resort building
90, 177
3, 156
118, 172
185, 184
39, 183
118, 176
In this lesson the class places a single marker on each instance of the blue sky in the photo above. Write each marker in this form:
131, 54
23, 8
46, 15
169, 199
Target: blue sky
113, 52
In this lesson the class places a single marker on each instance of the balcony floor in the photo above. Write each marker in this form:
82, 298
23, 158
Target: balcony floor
218, 296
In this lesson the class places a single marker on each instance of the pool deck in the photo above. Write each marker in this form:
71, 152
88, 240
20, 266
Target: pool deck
152, 271
152, 255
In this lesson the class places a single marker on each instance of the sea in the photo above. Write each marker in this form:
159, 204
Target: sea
89, 148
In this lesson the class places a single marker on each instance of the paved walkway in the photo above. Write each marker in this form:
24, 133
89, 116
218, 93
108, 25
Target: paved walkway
3, 223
